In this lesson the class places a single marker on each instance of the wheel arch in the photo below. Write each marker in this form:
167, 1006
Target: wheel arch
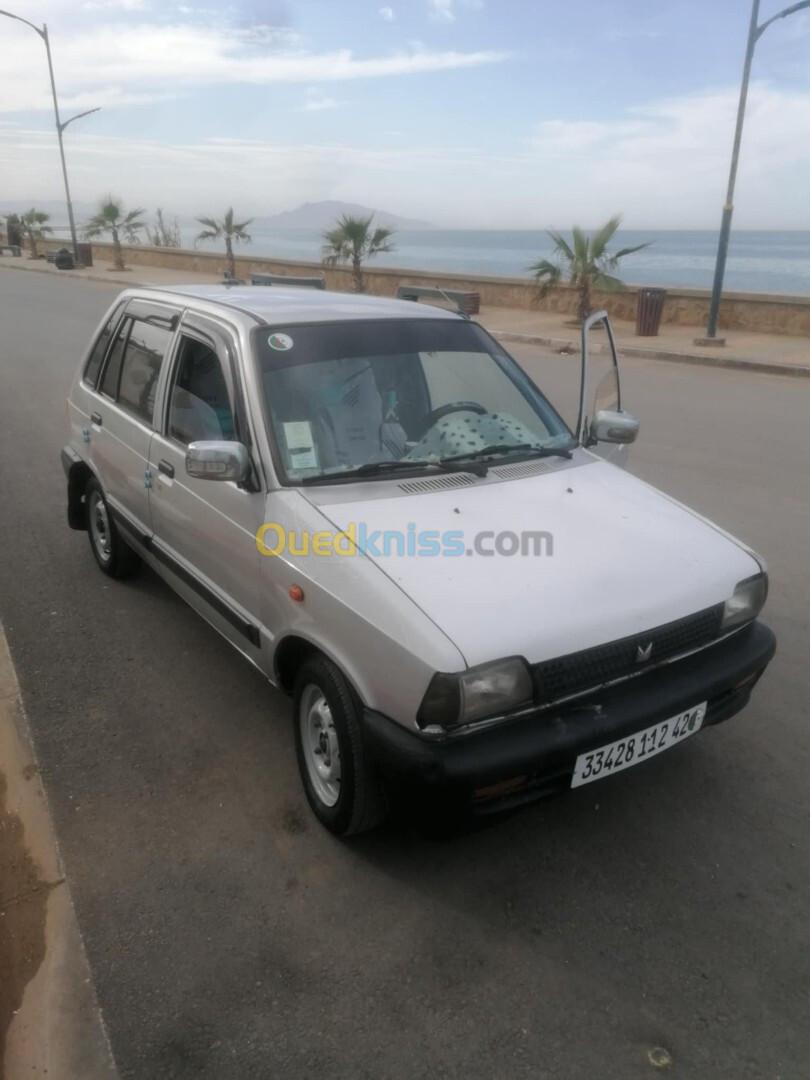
294, 650
78, 475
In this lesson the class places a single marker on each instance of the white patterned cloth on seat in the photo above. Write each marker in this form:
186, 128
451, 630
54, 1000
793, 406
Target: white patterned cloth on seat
466, 432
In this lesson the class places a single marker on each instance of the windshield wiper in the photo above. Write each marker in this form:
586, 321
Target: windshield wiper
443, 465
467, 462
380, 468
526, 449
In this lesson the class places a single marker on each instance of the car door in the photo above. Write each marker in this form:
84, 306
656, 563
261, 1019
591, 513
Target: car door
600, 386
205, 530
122, 411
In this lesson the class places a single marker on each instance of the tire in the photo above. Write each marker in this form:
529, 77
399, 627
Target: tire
113, 555
337, 774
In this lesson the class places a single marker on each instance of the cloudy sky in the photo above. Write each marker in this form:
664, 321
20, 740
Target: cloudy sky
469, 113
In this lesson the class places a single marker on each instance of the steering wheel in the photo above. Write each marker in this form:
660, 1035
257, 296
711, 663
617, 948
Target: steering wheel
445, 410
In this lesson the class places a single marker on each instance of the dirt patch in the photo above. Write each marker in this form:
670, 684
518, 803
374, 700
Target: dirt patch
23, 900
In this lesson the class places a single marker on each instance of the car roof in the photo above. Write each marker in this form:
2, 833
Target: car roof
277, 304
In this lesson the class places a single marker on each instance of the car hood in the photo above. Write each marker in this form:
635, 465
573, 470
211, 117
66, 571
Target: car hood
621, 558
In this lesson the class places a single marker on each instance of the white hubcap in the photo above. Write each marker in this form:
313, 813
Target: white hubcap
100, 527
320, 744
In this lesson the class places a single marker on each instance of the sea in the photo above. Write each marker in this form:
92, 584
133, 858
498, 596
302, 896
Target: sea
760, 262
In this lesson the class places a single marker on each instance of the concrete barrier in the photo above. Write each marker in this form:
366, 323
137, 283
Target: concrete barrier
755, 312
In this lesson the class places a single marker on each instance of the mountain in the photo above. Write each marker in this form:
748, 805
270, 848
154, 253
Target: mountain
321, 215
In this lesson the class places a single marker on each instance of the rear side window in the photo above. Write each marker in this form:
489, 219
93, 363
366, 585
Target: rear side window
96, 358
112, 369
141, 365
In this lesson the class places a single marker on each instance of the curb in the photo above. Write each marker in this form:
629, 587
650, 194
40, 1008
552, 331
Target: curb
736, 363
56, 1029
81, 275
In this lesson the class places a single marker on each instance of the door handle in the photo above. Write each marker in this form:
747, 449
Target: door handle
166, 468
95, 418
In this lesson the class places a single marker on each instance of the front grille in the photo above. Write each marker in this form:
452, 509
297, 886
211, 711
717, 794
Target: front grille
590, 668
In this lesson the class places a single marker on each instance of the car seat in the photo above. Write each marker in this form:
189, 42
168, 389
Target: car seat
349, 426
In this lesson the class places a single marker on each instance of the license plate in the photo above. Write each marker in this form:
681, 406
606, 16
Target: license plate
637, 747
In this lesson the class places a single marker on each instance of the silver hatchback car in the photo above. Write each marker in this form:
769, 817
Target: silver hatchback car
372, 501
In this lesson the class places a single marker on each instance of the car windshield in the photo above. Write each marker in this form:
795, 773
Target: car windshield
344, 396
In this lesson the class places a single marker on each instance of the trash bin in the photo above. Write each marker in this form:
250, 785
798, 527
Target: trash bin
63, 260
649, 311
472, 303
85, 254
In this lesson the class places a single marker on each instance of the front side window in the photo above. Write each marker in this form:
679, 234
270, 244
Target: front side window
140, 368
363, 398
199, 402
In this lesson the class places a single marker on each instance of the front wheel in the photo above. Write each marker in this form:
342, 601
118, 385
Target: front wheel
337, 775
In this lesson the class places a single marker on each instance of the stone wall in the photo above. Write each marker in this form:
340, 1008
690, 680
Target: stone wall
759, 312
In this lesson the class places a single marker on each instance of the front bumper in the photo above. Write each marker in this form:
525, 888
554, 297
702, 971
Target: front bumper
543, 747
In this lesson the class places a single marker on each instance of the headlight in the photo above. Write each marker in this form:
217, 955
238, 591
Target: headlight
474, 694
746, 603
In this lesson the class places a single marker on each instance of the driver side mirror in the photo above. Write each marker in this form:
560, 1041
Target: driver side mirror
613, 427
217, 459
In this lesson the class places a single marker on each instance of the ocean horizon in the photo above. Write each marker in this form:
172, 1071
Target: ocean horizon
758, 261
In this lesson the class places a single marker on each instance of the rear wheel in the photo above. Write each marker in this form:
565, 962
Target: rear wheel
337, 775
111, 553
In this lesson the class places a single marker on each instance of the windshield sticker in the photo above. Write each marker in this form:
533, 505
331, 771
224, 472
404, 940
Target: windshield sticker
298, 437
280, 342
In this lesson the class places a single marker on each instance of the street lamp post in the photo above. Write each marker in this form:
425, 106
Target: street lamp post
60, 127
755, 32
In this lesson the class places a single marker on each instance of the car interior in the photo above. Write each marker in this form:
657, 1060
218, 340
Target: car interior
200, 403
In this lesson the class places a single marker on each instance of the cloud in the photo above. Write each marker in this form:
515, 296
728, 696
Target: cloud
664, 164
669, 160
441, 11
387, 14
260, 177
318, 104
110, 65
116, 5
446, 11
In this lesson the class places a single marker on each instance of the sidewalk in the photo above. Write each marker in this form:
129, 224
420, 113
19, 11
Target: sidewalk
772, 353
50, 1024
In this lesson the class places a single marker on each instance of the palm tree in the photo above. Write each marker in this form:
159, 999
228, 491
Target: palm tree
112, 218
34, 228
232, 232
586, 263
352, 240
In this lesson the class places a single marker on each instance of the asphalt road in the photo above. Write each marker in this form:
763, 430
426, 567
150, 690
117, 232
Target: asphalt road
231, 937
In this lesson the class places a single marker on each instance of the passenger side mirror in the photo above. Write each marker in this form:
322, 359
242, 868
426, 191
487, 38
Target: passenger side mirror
613, 427
218, 460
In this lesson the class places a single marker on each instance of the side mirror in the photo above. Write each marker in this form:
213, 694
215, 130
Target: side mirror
218, 460
613, 427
